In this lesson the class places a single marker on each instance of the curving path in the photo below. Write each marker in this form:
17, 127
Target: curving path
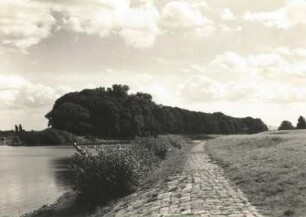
200, 190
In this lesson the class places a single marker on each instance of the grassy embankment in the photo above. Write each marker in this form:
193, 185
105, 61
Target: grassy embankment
269, 167
111, 173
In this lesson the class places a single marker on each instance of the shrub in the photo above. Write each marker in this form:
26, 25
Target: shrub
161, 145
286, 125
107, 173
30, 138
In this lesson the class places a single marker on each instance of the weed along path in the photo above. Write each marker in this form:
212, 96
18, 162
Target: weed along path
200, 190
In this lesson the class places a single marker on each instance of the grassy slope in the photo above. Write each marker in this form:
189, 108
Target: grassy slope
269, 167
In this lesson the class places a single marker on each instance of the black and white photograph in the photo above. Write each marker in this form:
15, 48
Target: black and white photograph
152, 108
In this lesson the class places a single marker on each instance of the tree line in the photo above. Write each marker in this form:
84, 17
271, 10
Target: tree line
114, 113
44, 137
287, 125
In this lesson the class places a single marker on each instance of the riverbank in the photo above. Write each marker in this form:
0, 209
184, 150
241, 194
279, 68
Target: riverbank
69, 205
269, 167
199, 189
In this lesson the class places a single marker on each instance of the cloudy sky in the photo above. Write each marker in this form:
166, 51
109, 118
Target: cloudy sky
243, 58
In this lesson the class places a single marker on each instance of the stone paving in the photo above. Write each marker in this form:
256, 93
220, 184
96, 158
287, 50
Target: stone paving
200, 190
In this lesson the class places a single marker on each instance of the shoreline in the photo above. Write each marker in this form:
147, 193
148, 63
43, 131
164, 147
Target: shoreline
67, 204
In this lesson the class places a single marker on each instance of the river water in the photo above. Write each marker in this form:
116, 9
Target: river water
31, 177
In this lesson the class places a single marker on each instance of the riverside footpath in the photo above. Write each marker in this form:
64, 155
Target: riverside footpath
200, 190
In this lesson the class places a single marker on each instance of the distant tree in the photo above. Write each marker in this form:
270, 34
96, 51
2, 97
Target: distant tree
20, 128
16, 128
286, 125
254, 125
301, 123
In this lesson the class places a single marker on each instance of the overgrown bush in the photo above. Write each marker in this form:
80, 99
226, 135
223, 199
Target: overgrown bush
161, 145
104, 173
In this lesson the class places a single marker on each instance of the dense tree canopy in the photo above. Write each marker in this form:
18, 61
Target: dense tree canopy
286, 125
301, 123
114, 113
71, 117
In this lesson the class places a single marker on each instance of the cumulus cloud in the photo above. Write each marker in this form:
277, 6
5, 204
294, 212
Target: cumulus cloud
24, 23
227, 14
96, 17
22, 101
140, 28
226, 28
277, 76
181, 14
138, 22
199, 88
18, 93
276, 64
186, 19
292, 14
135, 21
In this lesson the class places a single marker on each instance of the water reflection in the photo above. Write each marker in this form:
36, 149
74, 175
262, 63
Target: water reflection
61, 173
31, 177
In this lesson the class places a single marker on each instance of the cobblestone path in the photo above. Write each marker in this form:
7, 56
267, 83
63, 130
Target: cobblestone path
200, 190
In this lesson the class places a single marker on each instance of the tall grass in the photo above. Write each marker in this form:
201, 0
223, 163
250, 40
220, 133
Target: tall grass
269, 167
